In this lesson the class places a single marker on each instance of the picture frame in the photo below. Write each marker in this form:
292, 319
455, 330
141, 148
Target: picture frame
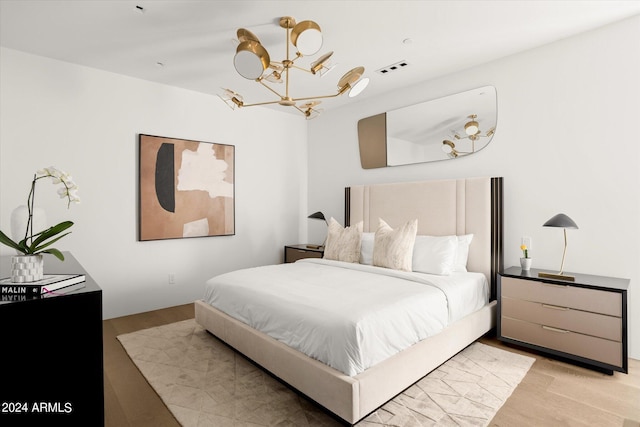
186, 188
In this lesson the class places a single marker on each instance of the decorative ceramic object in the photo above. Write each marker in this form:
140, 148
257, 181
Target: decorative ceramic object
525, 263
27, 268
20, 217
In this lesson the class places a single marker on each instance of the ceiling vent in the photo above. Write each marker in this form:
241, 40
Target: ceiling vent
393, 67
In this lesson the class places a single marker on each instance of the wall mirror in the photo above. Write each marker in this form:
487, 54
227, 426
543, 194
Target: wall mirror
446, 128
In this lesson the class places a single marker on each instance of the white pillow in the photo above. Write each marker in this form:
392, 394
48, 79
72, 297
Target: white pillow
394, 248
435, 254
366, 248
462, 253
343, 244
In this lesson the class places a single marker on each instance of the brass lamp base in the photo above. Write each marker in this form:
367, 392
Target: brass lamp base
558, 276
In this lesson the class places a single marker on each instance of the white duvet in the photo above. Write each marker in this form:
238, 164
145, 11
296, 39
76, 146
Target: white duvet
348, 316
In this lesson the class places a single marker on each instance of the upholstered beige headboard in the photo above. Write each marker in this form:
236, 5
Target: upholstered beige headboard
442, 207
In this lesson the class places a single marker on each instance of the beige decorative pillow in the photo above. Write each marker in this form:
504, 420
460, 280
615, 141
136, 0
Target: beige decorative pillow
394, 248
343, 244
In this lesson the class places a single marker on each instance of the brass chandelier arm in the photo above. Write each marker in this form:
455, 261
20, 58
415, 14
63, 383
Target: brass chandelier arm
270, 88
301, 69
307, 98
304, 98
291, 100
259, 103
286, 62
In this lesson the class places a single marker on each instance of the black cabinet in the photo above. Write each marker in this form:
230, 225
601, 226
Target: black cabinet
51, 357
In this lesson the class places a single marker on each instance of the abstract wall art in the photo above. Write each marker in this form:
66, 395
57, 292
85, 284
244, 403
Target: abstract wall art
186, 188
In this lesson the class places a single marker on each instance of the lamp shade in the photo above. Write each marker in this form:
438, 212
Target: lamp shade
251, 59
317, 65
317, 215
448, 146
560, 220
358, 87
307, 37
472, 127
349, 78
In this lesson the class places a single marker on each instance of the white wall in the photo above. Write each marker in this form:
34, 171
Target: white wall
565, 142
86, 122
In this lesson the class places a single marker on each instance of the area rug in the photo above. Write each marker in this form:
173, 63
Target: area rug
204, 382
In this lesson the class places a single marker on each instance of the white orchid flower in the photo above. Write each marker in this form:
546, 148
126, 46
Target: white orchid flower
70, 183
73, 195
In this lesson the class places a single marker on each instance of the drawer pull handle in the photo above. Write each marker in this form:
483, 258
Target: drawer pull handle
555, 307
554, 285
549, 328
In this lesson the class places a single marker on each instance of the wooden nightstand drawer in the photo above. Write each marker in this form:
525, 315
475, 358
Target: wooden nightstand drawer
593, 348
584, 322
295, 252
592, 300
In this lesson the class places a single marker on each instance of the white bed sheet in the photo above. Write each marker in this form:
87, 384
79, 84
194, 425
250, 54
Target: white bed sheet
348, 316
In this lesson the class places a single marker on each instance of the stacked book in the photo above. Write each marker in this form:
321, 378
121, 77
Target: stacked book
49, 285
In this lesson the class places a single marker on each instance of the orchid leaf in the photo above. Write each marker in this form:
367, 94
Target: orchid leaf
55, 253
24, 248
45, 245
50, 232
5, 240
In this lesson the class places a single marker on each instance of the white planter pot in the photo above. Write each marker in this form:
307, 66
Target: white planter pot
525, 263
27, 268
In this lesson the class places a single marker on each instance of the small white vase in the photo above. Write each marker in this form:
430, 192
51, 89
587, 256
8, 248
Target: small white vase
19, 218
27, 268
525, 263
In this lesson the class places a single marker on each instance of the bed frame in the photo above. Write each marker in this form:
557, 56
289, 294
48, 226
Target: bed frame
443, 207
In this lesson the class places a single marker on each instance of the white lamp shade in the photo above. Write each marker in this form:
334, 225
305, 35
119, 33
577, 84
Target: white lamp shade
248, 65
251, 59
471, 128
358, 87
307, 37
326, 70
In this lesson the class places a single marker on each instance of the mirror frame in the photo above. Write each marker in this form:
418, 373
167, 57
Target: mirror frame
422, 129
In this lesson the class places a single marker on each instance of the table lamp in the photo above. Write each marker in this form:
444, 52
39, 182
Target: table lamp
564, 222
317, 215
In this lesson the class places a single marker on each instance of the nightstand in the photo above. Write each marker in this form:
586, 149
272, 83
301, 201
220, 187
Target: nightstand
292, 253
583, 321
52, 353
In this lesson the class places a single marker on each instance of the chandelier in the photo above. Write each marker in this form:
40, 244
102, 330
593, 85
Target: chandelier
253, 62
472, 132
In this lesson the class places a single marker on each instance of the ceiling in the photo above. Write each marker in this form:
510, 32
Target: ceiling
194, 39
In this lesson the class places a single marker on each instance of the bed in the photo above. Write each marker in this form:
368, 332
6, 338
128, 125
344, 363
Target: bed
352, 389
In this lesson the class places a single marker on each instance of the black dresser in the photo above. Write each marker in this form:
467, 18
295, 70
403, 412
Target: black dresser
51, 357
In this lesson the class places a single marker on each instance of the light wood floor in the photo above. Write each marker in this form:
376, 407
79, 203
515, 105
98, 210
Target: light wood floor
552, 393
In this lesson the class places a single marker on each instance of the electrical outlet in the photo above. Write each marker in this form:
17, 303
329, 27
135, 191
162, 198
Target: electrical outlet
172, 278
527, 242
